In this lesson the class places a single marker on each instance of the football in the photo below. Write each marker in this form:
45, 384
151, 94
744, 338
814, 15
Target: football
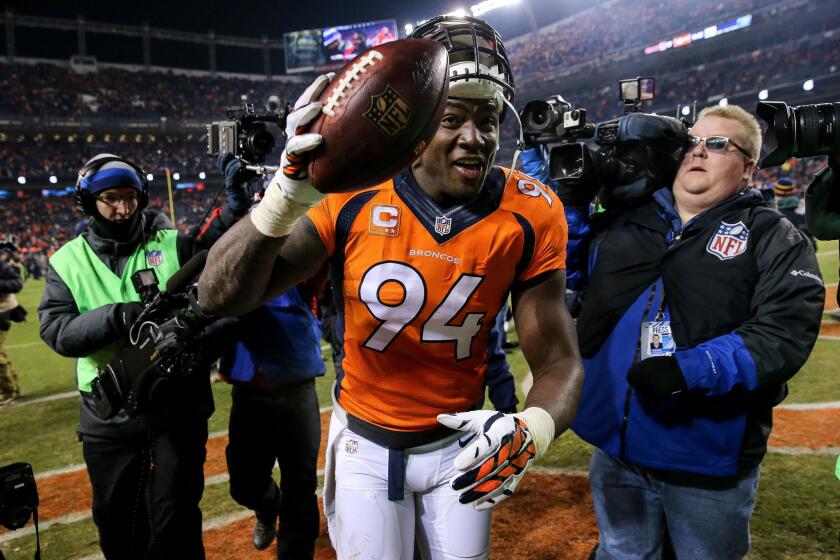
379, 113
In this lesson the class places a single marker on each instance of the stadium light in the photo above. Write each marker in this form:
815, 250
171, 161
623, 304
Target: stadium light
460, 12
686, 110
408, 28
22, 180
763, 94
723, 102
490, 5
808, 85
202, 175
150, 177
53, 179
176, 176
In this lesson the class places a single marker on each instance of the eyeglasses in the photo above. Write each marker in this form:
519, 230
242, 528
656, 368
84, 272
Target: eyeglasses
715, 143
113, 200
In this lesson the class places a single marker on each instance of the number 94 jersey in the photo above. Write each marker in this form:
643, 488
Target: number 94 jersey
418, 288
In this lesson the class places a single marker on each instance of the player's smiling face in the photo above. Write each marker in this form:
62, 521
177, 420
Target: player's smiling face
459, 156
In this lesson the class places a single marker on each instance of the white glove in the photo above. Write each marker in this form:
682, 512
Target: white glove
289, 193
497, 459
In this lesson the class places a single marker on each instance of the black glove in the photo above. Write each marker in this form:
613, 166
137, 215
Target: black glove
179, 331
125, 314
657, 377
236, 179
18, 314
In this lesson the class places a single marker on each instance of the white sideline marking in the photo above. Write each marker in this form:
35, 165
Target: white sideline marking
24, 345
829, 337
828, 450
810, 406
44, 525
48, 398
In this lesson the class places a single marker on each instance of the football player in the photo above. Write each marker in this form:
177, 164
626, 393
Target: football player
421, 263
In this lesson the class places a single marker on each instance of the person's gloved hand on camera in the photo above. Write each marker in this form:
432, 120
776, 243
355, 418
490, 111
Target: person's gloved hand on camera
237, 178
125, 315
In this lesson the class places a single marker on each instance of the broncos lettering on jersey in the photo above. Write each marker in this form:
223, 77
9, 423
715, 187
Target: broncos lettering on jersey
419, 286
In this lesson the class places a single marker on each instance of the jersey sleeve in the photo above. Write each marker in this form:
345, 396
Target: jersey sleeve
550, 234
323, 216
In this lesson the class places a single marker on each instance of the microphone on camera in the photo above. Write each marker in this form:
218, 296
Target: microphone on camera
185, 275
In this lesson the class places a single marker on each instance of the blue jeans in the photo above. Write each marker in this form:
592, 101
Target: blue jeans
706, 518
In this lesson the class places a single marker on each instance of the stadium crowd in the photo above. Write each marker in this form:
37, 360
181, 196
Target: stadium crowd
48, 90
576, 39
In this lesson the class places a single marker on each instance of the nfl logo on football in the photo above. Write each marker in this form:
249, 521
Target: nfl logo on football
729, 241
154, 257
443, 225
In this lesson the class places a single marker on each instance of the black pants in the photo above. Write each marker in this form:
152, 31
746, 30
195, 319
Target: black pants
146, 493
280, 425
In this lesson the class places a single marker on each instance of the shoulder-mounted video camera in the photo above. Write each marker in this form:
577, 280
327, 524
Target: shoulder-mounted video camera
164, 344
245, 134
632, 153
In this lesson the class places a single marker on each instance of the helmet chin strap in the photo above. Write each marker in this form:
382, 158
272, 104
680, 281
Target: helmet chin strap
520, 142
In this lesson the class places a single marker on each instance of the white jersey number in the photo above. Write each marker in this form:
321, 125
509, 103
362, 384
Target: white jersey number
395, 317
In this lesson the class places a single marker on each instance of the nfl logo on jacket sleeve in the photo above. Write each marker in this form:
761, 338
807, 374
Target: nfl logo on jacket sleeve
728, 241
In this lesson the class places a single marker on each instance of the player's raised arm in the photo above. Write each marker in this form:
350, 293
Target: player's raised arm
273, 248
549, 344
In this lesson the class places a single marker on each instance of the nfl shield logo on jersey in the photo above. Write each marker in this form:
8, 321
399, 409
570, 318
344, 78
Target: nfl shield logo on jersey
443, 225
154, 257
729, 241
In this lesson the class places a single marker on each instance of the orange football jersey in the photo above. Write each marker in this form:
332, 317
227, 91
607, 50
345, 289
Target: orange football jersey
419, 288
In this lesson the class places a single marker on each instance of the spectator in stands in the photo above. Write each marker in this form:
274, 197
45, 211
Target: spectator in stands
679, 437
11, 283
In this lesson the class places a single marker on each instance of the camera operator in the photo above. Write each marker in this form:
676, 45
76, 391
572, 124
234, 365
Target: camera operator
724, 281
146, 470
10, 284
275, 415
822, 202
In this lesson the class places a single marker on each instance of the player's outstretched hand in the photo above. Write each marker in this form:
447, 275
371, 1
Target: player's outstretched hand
290, 193
493, 464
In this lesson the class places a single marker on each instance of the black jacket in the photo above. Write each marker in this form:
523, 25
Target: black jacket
75, 334
742, 290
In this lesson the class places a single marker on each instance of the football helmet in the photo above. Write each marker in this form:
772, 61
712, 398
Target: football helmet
478, 63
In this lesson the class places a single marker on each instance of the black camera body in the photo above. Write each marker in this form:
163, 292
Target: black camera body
628, 151
18, 495
552, 121
245, 134
803, 131
164, 345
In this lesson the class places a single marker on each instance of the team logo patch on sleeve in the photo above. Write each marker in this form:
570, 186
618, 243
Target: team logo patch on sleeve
384, 220
154, 257
443, 225
729, 241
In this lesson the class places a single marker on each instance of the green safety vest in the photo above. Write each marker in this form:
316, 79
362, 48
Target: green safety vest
93, 284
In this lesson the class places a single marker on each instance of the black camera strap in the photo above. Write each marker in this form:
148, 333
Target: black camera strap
37, 535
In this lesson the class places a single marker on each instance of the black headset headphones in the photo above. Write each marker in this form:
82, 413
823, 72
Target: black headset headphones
86, 201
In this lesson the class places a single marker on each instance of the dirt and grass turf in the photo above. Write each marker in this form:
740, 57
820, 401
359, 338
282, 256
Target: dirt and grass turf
797, 514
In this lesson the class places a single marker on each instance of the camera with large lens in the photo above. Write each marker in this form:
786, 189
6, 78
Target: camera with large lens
632, 153
551, 120
164, 345
245, 134
804, 131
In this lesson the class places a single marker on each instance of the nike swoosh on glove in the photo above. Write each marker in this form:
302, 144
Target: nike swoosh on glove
497, 459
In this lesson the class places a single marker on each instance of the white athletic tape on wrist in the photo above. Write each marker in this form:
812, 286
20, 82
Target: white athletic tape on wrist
540, 425
277, 212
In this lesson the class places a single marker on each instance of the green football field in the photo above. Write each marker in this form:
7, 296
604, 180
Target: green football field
797, 513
